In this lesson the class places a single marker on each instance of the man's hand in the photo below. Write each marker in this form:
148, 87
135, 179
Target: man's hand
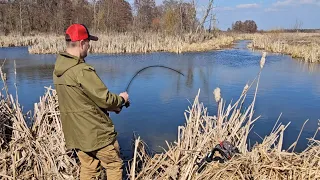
117, 110
125, 96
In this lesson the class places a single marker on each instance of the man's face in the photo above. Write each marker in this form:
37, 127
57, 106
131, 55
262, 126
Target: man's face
84, 47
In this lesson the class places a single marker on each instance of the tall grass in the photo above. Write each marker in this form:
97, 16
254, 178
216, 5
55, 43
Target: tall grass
305, 46
115, 43
36, 152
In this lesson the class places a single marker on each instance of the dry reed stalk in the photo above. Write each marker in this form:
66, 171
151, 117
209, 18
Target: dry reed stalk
305, 46
201, 132
36, 152
115, 43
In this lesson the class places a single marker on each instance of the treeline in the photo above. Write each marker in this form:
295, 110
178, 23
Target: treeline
248, 26
53, 16
295, 30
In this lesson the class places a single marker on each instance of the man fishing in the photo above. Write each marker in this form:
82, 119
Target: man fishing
83, 100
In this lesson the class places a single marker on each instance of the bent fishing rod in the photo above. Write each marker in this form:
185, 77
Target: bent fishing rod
127, 104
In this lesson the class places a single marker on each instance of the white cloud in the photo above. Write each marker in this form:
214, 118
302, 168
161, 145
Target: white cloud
283, 3
295, 2
271, 10
308, 1
242, 6
224, 8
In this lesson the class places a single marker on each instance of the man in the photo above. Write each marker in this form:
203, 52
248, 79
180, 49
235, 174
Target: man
83, 100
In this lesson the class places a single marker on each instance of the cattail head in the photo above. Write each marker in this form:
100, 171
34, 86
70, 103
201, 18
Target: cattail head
263, 59
217, 94
245, 89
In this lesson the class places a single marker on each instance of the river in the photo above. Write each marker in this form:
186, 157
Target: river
159, 97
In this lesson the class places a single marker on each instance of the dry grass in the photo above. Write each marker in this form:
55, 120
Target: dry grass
36, 152
305, 46
233, 123
124, 43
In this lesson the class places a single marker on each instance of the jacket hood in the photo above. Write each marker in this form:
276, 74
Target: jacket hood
64, 62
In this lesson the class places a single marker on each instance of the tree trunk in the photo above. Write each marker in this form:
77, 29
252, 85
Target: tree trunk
21, 33
193, 16
209, 8
181, 20
94, 15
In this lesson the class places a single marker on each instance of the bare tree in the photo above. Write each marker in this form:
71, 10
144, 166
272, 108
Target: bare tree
20, 13
94, 14
206, 14
194, 14
298, 25
145, 10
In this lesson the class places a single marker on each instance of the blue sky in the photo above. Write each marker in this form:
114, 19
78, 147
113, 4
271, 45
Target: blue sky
268, 14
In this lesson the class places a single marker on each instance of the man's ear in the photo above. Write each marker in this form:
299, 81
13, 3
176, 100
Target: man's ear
82, 42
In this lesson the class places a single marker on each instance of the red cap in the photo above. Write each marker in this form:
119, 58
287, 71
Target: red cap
77, 32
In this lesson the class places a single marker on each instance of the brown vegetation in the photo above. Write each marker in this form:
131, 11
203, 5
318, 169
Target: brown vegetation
305, 46
125, 43
248, 26
36, 152
41, 16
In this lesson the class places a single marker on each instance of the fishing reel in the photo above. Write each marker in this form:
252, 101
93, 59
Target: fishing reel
127, 104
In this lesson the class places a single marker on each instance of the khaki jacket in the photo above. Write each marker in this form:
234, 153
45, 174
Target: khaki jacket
83, 98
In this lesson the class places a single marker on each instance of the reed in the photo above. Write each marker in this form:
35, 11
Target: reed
233, 122
36, 152
115, 43
305, 46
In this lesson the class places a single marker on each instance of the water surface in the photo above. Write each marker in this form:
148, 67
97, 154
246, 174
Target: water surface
159, 97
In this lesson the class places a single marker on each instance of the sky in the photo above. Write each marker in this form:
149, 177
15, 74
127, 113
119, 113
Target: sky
268, 14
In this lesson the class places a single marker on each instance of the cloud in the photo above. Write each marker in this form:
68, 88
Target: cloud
295, 2
271, 10
309, 1
283, 3
312, 2
240, 6
224, 8
243, 6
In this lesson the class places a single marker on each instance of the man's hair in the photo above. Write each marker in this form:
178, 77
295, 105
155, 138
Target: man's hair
69, 42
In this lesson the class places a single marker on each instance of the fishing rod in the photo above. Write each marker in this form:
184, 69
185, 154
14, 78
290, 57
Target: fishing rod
143, 69
127, 104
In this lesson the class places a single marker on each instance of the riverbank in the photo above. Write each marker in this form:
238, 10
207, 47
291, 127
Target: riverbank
117, 43
305, 46
39, 151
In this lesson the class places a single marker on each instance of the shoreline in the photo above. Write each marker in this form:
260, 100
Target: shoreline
302, 46
125, 43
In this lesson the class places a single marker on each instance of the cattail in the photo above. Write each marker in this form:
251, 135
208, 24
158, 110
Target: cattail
217, 94
263, 60
245, 89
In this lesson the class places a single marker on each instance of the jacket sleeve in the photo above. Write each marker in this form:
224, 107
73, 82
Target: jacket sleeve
96, 90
